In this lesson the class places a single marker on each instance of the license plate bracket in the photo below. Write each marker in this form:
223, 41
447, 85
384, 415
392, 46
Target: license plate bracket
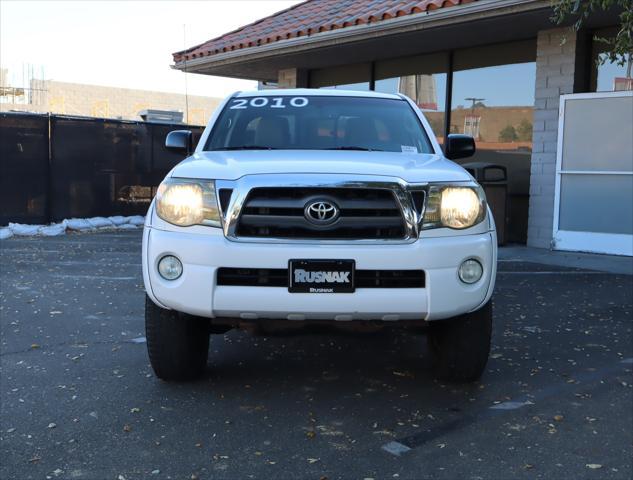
321, 276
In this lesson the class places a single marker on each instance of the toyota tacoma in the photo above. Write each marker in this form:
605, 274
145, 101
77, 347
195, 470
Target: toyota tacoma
319, 206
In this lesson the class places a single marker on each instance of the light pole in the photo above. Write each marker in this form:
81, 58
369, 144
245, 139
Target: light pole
474, 100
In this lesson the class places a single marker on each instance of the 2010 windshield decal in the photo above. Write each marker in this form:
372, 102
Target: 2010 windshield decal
274, 102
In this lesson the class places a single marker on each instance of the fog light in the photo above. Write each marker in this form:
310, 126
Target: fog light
169, 267
470, 271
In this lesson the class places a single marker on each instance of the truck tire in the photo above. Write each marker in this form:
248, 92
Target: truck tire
460, 346
177, 343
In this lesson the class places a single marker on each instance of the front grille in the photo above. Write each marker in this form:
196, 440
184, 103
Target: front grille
278, 277
365, 213
253, 277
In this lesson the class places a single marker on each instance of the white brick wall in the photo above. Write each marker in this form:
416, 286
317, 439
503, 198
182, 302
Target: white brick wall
287, 78
555, 62
292, 78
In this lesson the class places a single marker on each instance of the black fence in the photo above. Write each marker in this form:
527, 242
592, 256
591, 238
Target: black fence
54, 167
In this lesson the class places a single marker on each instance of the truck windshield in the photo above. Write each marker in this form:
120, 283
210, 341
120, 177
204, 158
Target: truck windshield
318, 123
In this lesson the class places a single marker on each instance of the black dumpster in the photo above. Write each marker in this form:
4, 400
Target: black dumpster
494, 180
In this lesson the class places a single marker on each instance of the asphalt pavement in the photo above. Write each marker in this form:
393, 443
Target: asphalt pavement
79, 399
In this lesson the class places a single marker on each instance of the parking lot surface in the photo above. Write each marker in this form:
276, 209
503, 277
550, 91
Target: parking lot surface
79, 399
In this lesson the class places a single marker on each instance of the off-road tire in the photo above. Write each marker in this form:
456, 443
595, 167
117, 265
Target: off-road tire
177, 343
460, 346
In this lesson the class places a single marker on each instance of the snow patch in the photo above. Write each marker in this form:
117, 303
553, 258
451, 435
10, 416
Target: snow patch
116, 222
5, 232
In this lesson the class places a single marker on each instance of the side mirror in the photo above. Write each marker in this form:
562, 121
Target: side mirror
180, 140
459, 146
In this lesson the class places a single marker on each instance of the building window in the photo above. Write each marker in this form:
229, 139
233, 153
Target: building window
421, 78
492, 99
346, 77
609, 76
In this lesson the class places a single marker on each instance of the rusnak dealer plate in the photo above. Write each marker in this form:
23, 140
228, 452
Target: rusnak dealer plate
321, 276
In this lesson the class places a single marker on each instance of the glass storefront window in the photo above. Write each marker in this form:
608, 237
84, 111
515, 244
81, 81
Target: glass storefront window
608, 76
421, 78
493, 101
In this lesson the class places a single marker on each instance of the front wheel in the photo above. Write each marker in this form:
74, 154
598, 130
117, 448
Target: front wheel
460, 346
177, 343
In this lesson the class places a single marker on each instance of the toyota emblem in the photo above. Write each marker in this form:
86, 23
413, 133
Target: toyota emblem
321, 212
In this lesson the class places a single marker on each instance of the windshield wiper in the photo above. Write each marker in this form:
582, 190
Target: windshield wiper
352, 147
247, 147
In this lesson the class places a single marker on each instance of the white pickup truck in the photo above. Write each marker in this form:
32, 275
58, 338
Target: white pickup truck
319, 206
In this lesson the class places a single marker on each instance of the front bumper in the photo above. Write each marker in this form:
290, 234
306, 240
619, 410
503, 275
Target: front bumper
197, 293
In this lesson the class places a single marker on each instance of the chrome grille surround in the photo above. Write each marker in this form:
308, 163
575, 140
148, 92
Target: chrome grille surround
401, 190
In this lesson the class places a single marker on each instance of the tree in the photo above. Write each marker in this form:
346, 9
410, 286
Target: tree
524, 131
619, 48
508, 134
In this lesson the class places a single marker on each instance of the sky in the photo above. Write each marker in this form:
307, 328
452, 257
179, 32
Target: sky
121, 43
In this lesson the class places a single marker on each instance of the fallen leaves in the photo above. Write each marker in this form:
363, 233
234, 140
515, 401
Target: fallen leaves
127, 428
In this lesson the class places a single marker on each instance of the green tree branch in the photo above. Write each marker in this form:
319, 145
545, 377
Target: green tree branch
620, 47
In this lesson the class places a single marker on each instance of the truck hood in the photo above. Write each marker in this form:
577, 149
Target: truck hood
231, 165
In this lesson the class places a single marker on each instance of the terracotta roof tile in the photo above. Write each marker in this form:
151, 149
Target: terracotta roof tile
310, 17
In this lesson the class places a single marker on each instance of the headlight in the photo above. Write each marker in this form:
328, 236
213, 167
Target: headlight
454, 207
186, 202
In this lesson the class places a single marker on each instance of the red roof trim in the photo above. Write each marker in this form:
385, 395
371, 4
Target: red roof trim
310, 17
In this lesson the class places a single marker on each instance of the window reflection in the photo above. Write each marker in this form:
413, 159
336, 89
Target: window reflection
613, 77
492, 99
421, 78
494, 104
608, 76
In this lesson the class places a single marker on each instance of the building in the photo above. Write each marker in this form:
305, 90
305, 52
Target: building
496, 69
44, 96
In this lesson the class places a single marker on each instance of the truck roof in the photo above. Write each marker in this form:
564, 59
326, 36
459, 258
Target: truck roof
321, 92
